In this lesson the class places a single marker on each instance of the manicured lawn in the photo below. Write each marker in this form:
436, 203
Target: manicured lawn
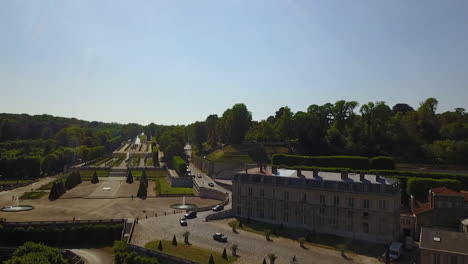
152, 174
189, 252
314, 239
164, 187
89, 173
33, 195
149, 162
229, 155
48, 186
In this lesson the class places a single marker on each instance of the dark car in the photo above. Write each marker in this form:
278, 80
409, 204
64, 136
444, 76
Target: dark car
220, 237
183, 221
211, 184
218, 208
190, 214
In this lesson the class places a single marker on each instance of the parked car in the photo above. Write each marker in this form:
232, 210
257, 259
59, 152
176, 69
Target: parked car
211, 184
220, 237
218, 208
198, 175
183, 221
190, 214
394, 251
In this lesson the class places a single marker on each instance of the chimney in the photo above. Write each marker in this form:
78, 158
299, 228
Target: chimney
299, 172
412, 202
344, 175
316, 171
361, 176
274, 169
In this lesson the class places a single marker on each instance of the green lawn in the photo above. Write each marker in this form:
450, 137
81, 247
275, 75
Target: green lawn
48, 186
152, 174
149, 162
314, 239
33, 195
164, 187
89, 173
189, 252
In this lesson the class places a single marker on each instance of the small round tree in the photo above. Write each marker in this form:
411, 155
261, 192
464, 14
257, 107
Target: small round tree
267, 234
186, 236
301, 241
234, 224
234, 248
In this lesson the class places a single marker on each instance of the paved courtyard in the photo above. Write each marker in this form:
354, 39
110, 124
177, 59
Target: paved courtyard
252, 247
68, 207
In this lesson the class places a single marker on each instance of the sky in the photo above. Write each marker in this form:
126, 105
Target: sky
176, 62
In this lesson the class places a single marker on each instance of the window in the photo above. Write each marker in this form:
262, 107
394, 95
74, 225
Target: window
285, 217
273, 194
239, 211
322, 199
250, 191
351, 202
382, 204
286, 196
273, 215
336, 201
261, 192
365, 215
350, 214
365, 227
322, 211
350, 226
260, 213
304, 197
453, 260
435, 258
366, 203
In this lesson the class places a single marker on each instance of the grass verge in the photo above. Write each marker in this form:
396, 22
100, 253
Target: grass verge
33, 195
163, 187
189, 252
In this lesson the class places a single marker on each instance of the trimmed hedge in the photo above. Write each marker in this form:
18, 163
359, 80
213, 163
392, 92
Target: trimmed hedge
382, 163
60, 235
72, 180
179, 165
352, 162
419, 187
155, 155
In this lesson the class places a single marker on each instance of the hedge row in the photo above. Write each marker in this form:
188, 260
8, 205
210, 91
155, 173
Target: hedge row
60, 235
419, 187
179, 165
155, 155
19, 167
123, 256
352, 162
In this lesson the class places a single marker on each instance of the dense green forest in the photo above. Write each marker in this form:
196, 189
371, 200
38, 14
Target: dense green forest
346, 128
30, 145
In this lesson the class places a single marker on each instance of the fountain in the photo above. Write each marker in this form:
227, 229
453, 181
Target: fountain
184, 206
17, 207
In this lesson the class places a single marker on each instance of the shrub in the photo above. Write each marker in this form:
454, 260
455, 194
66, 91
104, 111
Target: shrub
419, 187
382, 163
36, 253
57, 190
72, 180
179, 165
95, 178
122, 255
142, 190
129, 177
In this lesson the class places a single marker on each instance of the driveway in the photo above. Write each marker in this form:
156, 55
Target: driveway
252, 247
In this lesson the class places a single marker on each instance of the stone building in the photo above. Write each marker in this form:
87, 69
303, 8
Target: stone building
443, 247
445, 208
358, 206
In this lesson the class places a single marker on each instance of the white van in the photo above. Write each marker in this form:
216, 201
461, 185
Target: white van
394, 252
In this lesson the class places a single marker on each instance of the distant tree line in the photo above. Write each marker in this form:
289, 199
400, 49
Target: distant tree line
344, 128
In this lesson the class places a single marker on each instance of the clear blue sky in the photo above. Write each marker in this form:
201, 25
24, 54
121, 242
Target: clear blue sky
175, 62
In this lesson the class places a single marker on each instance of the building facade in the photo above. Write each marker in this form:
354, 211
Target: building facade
443, 247
358, 206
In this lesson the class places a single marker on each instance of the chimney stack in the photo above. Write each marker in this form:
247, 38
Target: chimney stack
299, 173
344, 175
316, 171
274, 169
361, 176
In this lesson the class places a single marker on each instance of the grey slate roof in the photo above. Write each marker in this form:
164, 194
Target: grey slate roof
453, 242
